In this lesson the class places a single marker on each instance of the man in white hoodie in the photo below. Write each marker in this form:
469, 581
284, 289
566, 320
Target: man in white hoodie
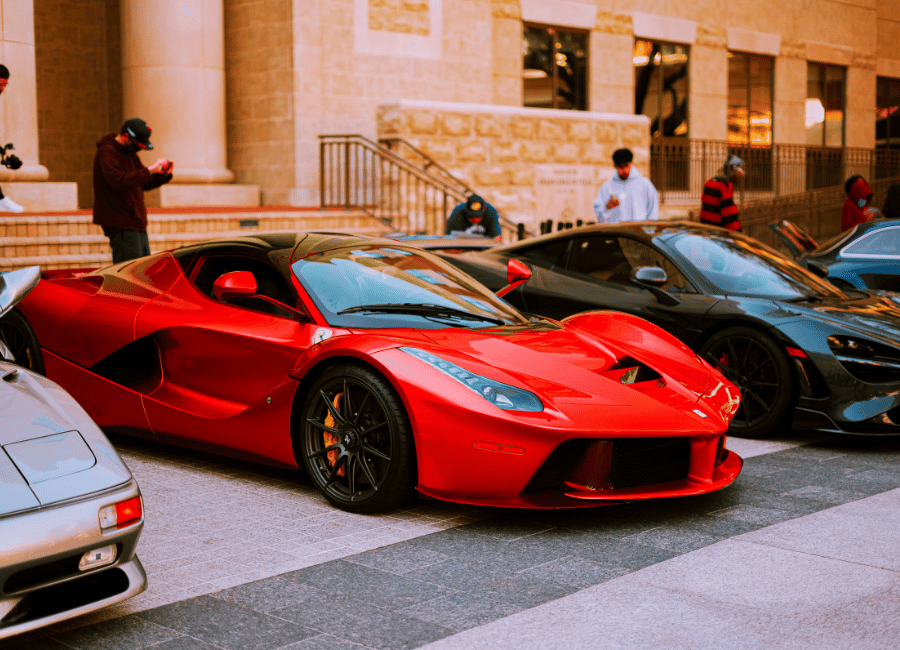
627, 196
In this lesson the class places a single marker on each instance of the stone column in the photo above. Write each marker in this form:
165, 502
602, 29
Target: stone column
18, 104
173, 68
506, 35
612, 70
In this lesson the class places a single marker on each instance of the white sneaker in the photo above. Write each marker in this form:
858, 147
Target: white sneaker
8, 205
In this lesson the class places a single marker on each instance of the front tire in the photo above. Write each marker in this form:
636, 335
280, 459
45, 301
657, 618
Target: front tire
357, 444
21, 341
760, 369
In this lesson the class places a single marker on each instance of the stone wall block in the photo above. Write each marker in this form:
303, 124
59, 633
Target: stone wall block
580, 131
566, 152
522, 128
536, 152
390, 121
633, 136
490, 175
551, 130
521, 175
456, 124
442, 150
423, 122
488, 126
472, 151
605, 132
596, 153
505, 151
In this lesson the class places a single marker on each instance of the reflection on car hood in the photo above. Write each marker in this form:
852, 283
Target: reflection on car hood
51, 449
875, 316
580, 363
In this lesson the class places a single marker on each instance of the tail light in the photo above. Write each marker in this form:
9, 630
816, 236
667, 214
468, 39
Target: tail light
121, 514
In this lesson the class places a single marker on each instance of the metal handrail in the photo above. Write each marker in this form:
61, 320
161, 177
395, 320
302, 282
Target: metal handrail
355, 172
427, 162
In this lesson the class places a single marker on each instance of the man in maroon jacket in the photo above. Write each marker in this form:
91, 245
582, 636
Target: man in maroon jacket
120, 180
718, 196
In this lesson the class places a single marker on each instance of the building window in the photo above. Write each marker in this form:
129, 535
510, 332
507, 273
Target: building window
660, 86
750, 99
750, 83
887, 127
825, 105
554, 67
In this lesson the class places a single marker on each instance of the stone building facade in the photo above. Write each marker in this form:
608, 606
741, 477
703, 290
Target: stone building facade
238, 91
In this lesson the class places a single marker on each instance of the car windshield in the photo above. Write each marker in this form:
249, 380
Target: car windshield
739, 266
382, 286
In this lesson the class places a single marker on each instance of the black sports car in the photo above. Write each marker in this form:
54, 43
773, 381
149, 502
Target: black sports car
794, 343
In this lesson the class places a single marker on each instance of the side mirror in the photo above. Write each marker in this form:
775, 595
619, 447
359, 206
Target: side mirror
235, 285
653, 278
516, 274
649, 275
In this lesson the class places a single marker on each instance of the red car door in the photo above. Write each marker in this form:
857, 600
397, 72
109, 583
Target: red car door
225, 371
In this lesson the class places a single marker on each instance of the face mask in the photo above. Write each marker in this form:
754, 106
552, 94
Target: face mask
132, 148
861, 203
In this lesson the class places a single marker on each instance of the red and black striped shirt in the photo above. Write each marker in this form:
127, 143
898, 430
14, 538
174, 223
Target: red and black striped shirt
718, 204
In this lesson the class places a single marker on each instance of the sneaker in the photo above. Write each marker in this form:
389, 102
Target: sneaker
8, 205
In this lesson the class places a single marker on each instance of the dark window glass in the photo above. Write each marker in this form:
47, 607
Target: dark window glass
660, 86
547, 255
750, 79
879, 243
887, 127
749, 99
613, 259
825, 105
554, 68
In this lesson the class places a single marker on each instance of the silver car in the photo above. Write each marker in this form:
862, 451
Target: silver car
70, 511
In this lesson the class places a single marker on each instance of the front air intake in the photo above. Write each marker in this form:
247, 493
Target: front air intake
647, 461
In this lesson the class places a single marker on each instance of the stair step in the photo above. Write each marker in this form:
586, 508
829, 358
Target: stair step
71, 240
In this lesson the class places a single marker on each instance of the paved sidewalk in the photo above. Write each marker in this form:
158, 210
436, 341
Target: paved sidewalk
802, 552
826, 580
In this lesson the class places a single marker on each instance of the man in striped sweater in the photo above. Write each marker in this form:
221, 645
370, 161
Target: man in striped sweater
718, 196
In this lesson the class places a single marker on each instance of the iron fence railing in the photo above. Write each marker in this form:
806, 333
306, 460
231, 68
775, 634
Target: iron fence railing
680, 166
406, 195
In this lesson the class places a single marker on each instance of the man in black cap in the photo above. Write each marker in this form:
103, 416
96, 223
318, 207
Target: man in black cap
475, 217
120, 180
6, 203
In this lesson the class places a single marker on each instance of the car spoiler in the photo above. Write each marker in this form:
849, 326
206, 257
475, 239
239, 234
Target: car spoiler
795, 239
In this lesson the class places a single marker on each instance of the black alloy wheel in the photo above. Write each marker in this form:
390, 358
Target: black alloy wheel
759, 368
357, 442
20, 339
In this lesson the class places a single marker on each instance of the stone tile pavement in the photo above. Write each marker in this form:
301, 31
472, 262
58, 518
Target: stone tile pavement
802, 552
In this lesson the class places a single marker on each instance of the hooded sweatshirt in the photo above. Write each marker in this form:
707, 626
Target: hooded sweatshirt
854, 213
638, 200
120, 180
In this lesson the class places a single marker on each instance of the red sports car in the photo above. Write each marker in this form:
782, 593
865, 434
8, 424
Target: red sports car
382, 370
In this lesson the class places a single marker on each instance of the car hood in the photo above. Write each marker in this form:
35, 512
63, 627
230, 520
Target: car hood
51, 449
865, 313
599, 358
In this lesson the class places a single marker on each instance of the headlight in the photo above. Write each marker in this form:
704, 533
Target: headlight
866, 360
508, 398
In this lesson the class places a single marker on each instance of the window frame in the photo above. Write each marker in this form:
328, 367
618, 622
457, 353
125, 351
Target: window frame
823, 69
661, 89
554, 84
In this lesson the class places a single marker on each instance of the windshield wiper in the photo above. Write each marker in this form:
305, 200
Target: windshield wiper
423, 308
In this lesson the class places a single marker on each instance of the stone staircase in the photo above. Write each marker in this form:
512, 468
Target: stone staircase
56, 240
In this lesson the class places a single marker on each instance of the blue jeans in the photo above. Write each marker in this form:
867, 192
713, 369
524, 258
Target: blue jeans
127, 244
